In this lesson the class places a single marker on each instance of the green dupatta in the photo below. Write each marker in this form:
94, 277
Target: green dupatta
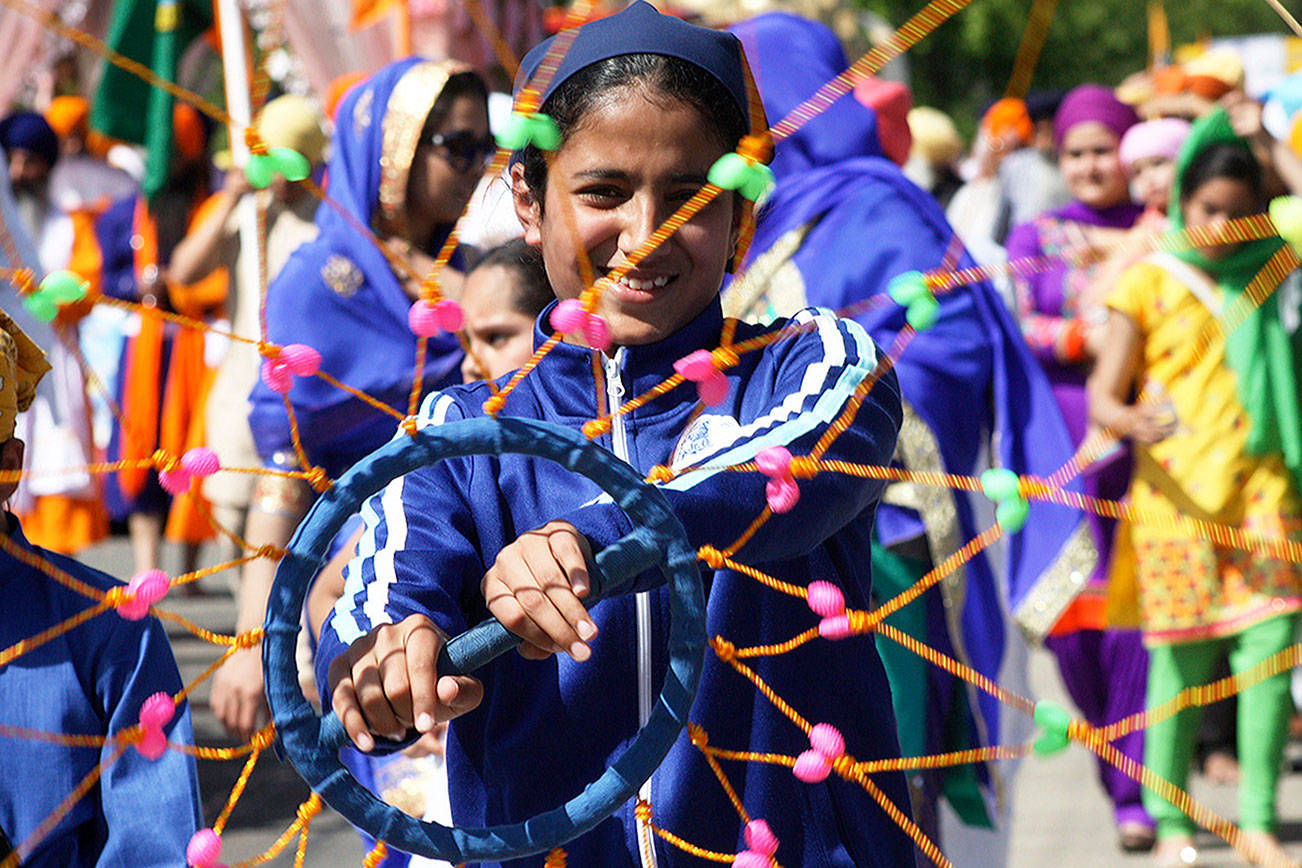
1262, 354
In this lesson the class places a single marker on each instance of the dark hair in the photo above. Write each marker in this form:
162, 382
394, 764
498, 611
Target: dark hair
532, 292
458, 85
1222, 160
673, 77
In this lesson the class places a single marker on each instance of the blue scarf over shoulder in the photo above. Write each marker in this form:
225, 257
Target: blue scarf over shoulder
970, 378
338, 295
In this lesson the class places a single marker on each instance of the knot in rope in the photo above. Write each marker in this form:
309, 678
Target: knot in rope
659, 474
726, 650
254, 142
376, 856
309, 808
319, 480
494, 405
642, 810
713, 557
248, 638
697, 735
594, 428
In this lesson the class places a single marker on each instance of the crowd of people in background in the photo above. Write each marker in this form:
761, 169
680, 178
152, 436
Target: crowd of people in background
1082, 340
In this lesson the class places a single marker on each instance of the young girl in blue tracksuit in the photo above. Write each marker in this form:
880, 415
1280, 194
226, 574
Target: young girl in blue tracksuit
646, 104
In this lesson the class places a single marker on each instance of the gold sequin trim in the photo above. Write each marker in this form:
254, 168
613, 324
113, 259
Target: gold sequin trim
1059, 584
404, 117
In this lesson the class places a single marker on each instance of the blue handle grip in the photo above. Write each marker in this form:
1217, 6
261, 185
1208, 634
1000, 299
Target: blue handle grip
616, 565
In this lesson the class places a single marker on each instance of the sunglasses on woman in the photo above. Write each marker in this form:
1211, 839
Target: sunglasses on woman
463, 150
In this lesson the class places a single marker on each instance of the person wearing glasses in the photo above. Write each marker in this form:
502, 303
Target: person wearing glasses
410, 144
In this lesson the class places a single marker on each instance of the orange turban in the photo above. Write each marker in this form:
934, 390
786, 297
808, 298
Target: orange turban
67, 115
1008, 116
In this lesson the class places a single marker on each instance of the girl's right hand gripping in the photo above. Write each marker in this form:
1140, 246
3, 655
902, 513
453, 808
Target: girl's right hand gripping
387, 683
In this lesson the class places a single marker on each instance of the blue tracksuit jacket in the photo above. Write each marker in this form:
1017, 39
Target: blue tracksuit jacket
547, 728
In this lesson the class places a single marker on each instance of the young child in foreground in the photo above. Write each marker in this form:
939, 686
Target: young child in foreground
1217, 436
646, 104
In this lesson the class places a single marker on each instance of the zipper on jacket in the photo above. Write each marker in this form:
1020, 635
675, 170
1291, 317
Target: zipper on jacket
619, 443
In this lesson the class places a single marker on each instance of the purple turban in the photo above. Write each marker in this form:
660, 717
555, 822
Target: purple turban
31, 132
1092, 102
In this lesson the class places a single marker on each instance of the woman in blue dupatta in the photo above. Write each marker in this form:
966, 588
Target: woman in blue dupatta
841, 222
410, 145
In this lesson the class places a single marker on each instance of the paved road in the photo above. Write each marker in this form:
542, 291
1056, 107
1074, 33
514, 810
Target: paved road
1060, 818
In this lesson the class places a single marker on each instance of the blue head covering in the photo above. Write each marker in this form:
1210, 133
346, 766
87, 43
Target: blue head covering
338, 294
640, 29
968, 377
30, 132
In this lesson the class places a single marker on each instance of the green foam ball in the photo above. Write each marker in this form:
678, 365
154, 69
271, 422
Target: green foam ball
1286, 214
999, 484
290, 163
1054, 720
41, 306
729, 172
1011, 514
260, 170
537, 129
759, 180
907, 287
922, 312
64, 286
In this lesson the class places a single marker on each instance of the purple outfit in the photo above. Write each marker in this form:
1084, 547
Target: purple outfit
1105, 671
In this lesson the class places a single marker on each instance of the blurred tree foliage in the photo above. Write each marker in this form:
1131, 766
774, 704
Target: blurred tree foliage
967, 61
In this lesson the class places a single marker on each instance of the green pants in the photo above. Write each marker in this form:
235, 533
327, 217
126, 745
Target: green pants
1264, 710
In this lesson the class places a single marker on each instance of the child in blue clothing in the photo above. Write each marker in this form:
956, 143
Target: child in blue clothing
91, 681
646, 104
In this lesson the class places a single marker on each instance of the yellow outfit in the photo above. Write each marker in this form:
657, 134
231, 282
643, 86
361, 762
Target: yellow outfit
1190, 588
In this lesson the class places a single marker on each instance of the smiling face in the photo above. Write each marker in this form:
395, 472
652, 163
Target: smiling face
1091, 166
626, 167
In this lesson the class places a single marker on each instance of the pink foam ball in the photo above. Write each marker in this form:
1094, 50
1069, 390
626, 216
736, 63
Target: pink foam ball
157, 710
204, 849
696, 366
276, 376
423, 319
760, 838
827, 740
201, 461
835, 627
450, 315
596, 332
812, 767
569, 316
144, 590
826, 599
782, 494
153, 744
301, 359
175, 482
750, 859
713, 390
774, 461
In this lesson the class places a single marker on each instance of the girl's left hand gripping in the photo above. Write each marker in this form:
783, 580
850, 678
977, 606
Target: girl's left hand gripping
535, 588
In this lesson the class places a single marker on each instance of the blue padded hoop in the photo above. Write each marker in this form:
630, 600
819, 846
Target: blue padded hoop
313, 743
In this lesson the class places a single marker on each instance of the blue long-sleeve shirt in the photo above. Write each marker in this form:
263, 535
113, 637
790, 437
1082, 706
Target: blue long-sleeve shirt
546, 728
91, 680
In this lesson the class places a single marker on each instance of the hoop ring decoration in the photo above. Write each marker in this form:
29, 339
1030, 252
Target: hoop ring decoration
312, 743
